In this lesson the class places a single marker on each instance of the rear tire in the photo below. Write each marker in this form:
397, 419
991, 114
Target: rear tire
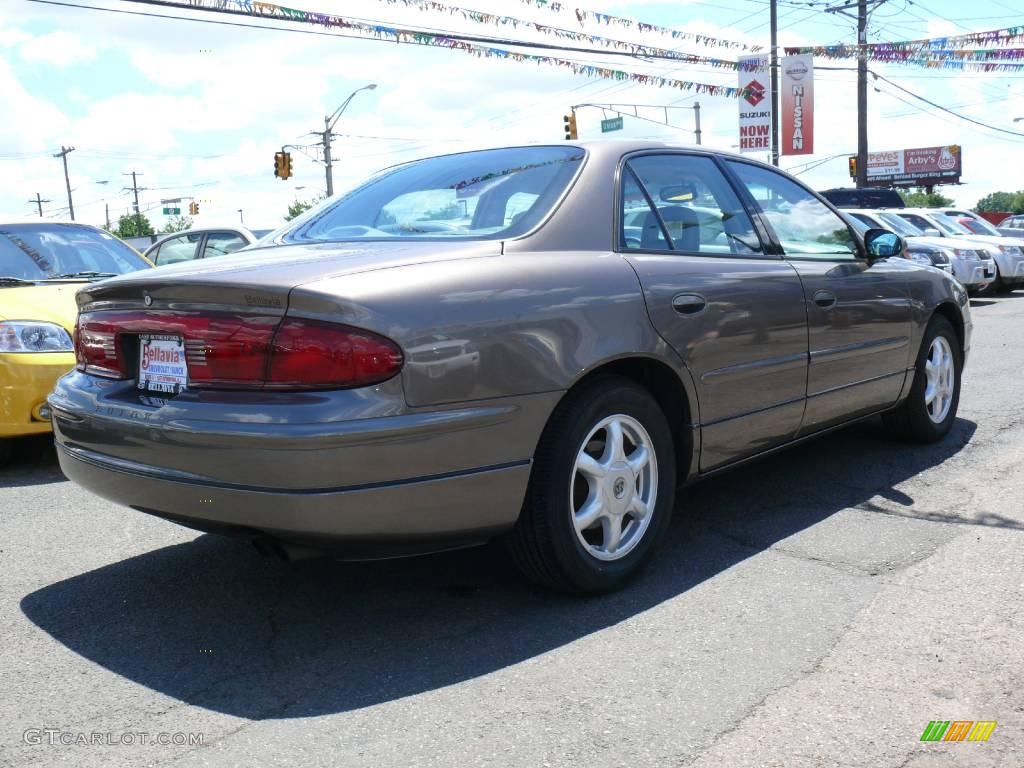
928, 412
601, 490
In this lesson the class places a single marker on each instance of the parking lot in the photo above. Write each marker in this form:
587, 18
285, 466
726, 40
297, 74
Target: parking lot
819, 607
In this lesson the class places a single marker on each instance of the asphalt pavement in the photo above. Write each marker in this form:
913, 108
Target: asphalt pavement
816, 608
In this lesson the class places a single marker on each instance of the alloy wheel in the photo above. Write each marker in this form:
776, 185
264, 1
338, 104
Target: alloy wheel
940, 378
614, 487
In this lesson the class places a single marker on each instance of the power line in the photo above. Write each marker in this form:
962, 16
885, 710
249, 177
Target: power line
946, 109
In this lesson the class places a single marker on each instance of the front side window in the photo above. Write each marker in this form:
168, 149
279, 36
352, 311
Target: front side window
49, 251
950, 226
220, 243
181, 248
806, 227
469, 196
695, 210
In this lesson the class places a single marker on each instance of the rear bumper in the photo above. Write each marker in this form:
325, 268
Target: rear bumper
356, 471
381, 520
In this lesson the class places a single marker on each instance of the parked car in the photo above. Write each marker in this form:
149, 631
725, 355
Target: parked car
269, 394
1012, 225
42, 264
916, 251
863, 198
199, 243
968, 262
1007, 253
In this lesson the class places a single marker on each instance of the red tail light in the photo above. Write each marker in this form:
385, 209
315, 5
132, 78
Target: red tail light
226, 350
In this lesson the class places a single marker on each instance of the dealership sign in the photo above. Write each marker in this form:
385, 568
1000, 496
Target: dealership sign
755, 104
797, 105
915, 167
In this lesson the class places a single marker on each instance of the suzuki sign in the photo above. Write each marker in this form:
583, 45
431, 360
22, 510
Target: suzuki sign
755, 104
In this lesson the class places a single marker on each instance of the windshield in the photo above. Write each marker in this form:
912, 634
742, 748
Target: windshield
979, 226
470, 196
899, 225
49, 251
948, 225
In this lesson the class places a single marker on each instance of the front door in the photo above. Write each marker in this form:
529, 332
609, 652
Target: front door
734, 314
858, 313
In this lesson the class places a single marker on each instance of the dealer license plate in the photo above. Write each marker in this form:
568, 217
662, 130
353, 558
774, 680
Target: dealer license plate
162, 366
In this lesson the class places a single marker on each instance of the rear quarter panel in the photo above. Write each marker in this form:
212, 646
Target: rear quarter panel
499, 326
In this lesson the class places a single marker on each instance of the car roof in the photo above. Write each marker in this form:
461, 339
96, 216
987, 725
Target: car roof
37, 220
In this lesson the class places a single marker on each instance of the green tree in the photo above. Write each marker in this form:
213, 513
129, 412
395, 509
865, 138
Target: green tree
1012, 202
922, 199
298, 207
177, 224
133, 226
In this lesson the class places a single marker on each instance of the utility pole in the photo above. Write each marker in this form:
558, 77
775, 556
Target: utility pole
696, 120
327, 156
39, 201
862, 79
862, 93
774, 66
63, 154
135, 188
240, 218
107, 207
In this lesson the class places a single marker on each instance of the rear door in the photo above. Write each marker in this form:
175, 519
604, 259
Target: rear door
731, 309
858, 313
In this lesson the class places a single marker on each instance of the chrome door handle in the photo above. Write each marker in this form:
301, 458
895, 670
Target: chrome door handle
689, 304
825, 299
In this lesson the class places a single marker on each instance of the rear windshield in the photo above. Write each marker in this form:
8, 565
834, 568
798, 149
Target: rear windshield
48, 251
470, 196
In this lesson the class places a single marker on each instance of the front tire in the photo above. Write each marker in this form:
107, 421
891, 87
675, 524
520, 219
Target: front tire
601, 490
927, 414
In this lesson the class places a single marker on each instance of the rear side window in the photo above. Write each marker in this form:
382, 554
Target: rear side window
694, 208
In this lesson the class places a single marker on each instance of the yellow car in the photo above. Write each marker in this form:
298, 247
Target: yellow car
42, 264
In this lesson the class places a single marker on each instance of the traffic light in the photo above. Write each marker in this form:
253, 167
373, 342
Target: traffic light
570, 126
282, 165
853, 167
193, 208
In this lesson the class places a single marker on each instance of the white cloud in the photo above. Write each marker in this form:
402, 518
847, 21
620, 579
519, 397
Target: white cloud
59, 48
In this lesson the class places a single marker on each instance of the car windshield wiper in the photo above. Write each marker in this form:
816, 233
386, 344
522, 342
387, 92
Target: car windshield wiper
5, 280
86, 274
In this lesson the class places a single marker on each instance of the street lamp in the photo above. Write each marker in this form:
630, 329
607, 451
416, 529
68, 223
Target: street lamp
1018, 119
329, 122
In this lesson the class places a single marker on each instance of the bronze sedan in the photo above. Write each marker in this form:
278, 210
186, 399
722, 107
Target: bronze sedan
537, 343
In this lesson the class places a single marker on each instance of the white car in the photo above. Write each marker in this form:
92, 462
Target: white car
970, 263
1009, 266
199, 243
1007, 253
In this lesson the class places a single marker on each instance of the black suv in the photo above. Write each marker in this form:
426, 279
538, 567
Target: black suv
863, 198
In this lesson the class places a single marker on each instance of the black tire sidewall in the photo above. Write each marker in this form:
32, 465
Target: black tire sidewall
550, 496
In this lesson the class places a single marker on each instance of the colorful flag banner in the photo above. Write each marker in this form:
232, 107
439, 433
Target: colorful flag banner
797, 105
582, 15
263, 10
560, 33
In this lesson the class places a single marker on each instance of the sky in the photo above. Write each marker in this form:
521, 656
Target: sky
197, 110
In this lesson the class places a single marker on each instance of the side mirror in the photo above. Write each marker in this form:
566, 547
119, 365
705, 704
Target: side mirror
932, 232
881, 243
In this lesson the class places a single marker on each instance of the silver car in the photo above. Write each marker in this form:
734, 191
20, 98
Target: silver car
968, 261
470, 346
